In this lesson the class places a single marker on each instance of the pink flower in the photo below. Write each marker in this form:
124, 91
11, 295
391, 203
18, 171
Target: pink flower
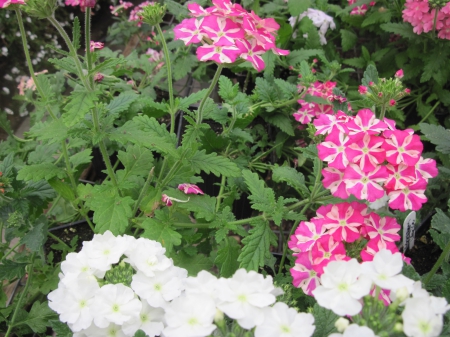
365, 121
222, 31
303, 274
332, 150
326, 249
364, 185
359, 10
333, 179
306, 234
306, 113
392, 102
251, 52
400, 176
384, 229
190, 189
96, 45
189, 31
167, 200
366, 152
403, 147
98, 77
399, 73
426, 168
362, 90
6, 3
218, 54
409, 198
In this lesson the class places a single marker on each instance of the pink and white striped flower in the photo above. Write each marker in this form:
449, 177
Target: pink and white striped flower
365, 121
189, 31
326, 249
365, 185
222, 31
382, 228
190, 189
403, 147
366, 151
409, 198
251, 52
303, 274
333, 179
306, 234
333, 149
225, 54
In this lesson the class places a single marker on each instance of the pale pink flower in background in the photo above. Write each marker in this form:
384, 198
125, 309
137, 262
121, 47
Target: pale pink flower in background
6, 3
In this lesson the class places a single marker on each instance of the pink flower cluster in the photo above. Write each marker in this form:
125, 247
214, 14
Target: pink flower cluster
123, 5
227, 31
136, 12
360, 10
6, 3
82, 3
421, 16
370, 158
321, 240
310, 110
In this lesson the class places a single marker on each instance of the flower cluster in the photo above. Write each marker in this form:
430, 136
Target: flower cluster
360, 10
319, 19
310, 110
345, 283
323, 239
6, 3
116, 286
227, 32
136, 12
370, 158
82, 3
421, 15
123, 5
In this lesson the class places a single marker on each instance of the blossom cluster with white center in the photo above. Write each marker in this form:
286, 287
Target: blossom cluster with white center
319, 19
116, 286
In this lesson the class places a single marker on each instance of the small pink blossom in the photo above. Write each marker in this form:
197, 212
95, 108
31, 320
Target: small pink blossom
399, 73
365, 121
333, 179
96, 45
303, 274
190, 189
365, 185
167, 200
306, 234
392, 102
409, 198
327, 249
382, 228
362, 90
403, 147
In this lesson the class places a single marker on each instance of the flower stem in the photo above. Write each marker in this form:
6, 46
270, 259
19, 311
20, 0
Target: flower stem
143, 191
430, 112
54, 237
208, 93
169, 73
437, 265
87, 34
22, 295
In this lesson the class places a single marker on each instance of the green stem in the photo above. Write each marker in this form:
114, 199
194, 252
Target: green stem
12, 250
437, 265
208, 93
430, 112
383, 111
220, 195
72, 51
169, 74
22, 295
21, 140
317, 182
436, 11
143, 191
87, 34
54, 237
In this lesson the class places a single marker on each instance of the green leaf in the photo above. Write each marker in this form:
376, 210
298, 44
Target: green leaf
111, 212
297, 56
185, 102
10, 270
324, 320
53, 131
289, 90
357, 62
161, 231
140, 333
203, 206
61, 329
214, 163
62, 188
121, 102
441, 239
441, 222
437, 135
193, 264
176, 9
183, 65
137, 160
404, 29
378, 55
282, 121
409, 271
377, 17
261, 196
227, 258
80, 158
109, 63
256, 248
296, 7
76, 34
227, 91
43, 154
35, 238
65, 63
370, 75
38, 317
41, 171
265, 91
80, 102
292, 177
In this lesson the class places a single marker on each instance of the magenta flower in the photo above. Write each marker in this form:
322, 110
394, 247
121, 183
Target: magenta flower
190, 189
251, 52
326, 249
333, 179
366, 151
6, 3
400, 176
399, 73
365, 121
218, 54
409, 198
333, 151
189, 31
426, 168
362, 89
364, 185
403, 147
306, 234
384, 229
96, 45
306, 113
303, 274
374, 246
222, 31
167, 200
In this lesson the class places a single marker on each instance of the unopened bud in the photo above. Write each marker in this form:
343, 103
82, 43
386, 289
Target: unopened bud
153, 14
341, 324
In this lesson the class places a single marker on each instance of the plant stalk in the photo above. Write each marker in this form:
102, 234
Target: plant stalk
437, 265
208, 93
87, 34
169, 77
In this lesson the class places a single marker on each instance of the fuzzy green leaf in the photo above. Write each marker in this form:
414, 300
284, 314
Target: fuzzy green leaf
289, 90
297, 56
76, 34
203, 206
109, 63
10, 270
65, 63
80, 158
348, 39
176, 9
185, 102
377, 17
357, 62
227, 258
296, 7
283, 122
43, 171
227, 90
256, 248
38, 317
214, 163
62, 188
111, 212
193, 264
262, 197
121, 102
441, 222
404, 29
53, 131
161, 231
437, 135
183, 66
292, 177
138, 161
80, 102
370, 75
43, 154
35, 238
324, 320
265, 90
61, 329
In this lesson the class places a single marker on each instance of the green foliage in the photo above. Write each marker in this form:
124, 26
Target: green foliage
218, 165
38, 317
43, 171
193, 264
441, 221
296, 7
160, 229
404, 29
296, 56
80, 102
437, 135
227, 258
324, 320
10, 270
76, 33
122, 102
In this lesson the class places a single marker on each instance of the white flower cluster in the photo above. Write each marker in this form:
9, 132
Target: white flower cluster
345, 283
116, 286
319, 19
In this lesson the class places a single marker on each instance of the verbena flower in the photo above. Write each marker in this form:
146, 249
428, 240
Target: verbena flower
319, 19
354, 330
6, 3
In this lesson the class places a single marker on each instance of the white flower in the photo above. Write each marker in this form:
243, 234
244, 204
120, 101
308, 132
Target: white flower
115, 303
343, 285
163, 287
73, 301
244, 296
385, 270
355, 330
111, 330
148, 257
5, 51
319, 19
282, 321
150, 320
105, 249
77, 265
6, 90
420, 319
203, 283
190, 316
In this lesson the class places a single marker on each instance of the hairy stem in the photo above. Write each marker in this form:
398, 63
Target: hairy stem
208, 93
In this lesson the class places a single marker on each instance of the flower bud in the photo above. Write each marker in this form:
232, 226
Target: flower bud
121, 273
362, 89
41, 9
341, 324
398, 327
218, 317
153, 14
399, 73
402, 294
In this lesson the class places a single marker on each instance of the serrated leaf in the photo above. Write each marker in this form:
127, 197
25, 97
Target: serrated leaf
62, 188
357, 62
227, 258
441, 221
111, 212
137, 160
214, 163
161, 232
36, 237
377, 17
409, 271
265, 91
65, 63
262, 197
296, 7
183, 65
61, 329
257, 247
441, 239
324, 321
38, 317
176, 9
43, 171
437, 135
289, 90
109, 63
378, 55
10, 270
76, 34
53, 131
404, 29
80, 158
80, 102
227, 91
185, 102
203, 206
121, 102
348, 39
43, 154
283, 122
370, 75
292, 177
297, 56
193, 264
